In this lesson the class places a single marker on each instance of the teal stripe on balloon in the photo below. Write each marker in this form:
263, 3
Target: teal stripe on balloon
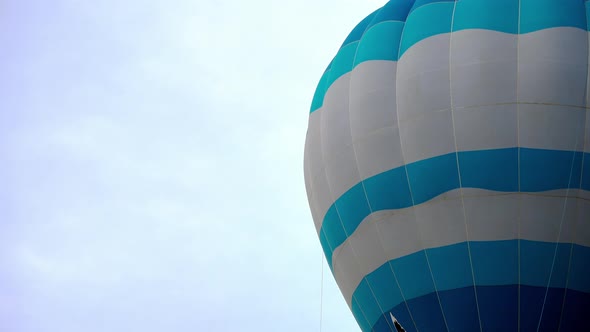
496, 169
434, 176
580, 269
426, 21
537, 15
320, 92
381, 42
585, 181
343, 62
368, 303
544, 264
413, 274
494, 262
421, 3
496, 164
450, 265
387, 297
497, 15
352, 206
388, 190
333, 230
543, 170
359, 315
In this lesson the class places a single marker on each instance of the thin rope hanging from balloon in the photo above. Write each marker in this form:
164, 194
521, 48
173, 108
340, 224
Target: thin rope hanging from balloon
321, 290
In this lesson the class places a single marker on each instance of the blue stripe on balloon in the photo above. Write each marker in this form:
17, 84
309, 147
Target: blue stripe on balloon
426, 313
537, 304
494, 262
576, 310
498, 307
560, 169
432, 177
497, 170
413, 274
387, 297
388, 190
503, 315
496, 274
460, 308
333, 230
500, 167
580, 269
539, 263
352, 206
450, 265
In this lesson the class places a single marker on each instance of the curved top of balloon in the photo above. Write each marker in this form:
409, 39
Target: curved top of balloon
447, 165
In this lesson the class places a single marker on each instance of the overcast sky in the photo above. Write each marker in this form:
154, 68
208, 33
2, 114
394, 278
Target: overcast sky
151, 165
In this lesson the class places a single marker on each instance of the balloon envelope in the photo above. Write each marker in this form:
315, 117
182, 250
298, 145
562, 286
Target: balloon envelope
447, 166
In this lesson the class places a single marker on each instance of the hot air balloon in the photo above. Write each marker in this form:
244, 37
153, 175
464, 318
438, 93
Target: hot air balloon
447, 166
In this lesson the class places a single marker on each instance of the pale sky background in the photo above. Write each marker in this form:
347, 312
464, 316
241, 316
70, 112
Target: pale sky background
151, 165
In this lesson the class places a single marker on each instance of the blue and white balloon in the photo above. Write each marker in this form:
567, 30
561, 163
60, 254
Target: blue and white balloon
447, 166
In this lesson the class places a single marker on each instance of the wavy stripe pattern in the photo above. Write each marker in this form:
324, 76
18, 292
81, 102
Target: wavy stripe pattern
431, 117
497, 170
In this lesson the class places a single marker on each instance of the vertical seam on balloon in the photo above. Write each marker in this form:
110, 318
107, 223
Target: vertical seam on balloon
519, 205
573, 240
365, 193
322, 170
334, 266
569, 266
399, 56
351, 248
353, 299
323, 159
458, 166
312, 200
574, 233
332, 199
413, 205
369, 205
